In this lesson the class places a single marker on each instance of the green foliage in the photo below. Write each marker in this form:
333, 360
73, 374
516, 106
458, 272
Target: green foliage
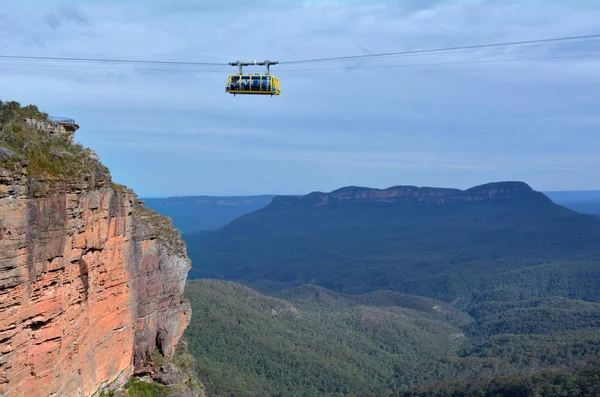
50, 158
157, 358
247, 344
187, 364
313, 341
525, 352
537, 316
11, 111
137, 388
315, 298
582, 382
166, 233
180, 372
183, 359
32, 111
118, 186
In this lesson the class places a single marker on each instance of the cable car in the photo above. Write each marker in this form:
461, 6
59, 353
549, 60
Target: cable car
252, 84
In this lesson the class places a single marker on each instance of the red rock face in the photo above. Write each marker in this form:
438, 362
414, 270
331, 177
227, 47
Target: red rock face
90, 283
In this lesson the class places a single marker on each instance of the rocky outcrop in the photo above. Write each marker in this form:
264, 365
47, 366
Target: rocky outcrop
53, 127
91, 282
498, 191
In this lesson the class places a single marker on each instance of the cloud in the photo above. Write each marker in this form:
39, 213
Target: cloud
74, 13
432, 121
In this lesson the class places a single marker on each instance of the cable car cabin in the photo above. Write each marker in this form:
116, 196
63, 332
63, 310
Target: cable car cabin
254, 84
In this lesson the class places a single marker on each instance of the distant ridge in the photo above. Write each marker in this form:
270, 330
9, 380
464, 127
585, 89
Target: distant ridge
574, 196
204, 199
497, 240
494, 191
192, 214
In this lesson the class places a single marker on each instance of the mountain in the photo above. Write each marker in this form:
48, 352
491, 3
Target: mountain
590, 207
573, 196
584, 201
193, 214
363, 286
91, 281
495, 241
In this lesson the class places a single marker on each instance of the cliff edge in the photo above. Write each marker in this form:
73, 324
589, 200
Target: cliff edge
91, 282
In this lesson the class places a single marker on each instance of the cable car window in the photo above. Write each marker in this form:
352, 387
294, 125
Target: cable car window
245, 82
235, 82
266, 83
255, 83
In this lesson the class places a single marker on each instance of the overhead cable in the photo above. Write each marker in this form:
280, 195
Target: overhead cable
444, 49
339, 58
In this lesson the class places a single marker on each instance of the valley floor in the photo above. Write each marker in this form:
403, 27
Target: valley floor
310, 341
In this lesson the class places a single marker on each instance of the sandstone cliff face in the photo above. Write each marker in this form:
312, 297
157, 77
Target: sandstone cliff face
90, 283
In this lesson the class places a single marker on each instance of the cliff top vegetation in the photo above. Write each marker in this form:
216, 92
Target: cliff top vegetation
46, 157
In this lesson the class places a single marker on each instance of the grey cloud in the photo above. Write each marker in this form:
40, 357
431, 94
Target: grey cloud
73, 13
456, 125
53, 21
66, 13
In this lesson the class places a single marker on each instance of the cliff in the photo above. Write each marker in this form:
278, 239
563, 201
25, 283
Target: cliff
91, 282
518, 192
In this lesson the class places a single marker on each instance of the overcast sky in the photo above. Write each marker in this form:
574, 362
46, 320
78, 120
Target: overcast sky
173, 132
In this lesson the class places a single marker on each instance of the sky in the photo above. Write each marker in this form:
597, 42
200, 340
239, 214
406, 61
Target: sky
454, 119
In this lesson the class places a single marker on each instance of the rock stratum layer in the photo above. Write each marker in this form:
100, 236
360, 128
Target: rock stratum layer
91, 282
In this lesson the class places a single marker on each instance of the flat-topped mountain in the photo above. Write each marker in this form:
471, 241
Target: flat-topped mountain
500, 191
443, 243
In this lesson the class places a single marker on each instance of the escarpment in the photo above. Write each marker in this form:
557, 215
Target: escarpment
91, 282
490, 192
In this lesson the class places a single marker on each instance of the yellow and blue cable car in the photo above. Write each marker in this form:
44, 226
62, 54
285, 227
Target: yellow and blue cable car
252, 84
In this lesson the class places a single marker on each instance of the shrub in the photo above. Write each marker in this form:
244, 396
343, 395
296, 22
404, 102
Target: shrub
50, 157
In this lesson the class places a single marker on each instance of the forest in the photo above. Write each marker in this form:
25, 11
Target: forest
311, 341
